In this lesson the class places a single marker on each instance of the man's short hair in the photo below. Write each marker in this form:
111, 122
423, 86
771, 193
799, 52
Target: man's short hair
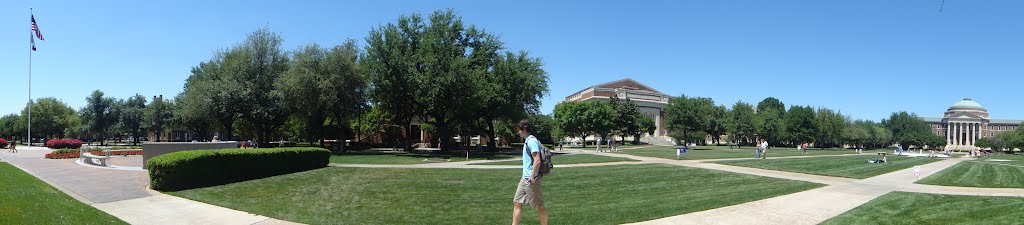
525, 125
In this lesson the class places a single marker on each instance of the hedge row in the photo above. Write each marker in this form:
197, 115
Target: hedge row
64, 143
202, 168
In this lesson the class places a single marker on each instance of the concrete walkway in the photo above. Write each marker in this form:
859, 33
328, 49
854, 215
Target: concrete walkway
812, 206
123, 193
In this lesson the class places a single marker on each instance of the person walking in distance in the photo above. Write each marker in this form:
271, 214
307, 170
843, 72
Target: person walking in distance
529, 189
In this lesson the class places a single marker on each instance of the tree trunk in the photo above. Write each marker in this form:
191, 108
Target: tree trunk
228, 127
444, 135
408, 135
491, 144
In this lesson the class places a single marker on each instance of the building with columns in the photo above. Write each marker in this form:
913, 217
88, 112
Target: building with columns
965, 122
650, 102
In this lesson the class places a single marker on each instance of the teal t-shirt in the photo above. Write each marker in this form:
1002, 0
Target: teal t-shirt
532, 145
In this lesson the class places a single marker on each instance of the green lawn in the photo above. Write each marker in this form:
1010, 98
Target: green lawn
590, 195
982, 173
28, 200
920, 208
408, 158
564, 159
724, 152
837, 166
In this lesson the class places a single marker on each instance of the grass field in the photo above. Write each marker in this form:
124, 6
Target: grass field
28, 200
992, 172
837, 166
591, 195
408, 158
919, 208
724, 152
564, 159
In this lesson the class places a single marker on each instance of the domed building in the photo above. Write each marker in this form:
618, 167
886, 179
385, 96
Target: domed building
967, 121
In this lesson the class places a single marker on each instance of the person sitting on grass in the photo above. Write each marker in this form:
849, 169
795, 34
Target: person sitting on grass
882, 160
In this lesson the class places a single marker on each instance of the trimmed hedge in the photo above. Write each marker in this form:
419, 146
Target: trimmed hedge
64, 143
203, 168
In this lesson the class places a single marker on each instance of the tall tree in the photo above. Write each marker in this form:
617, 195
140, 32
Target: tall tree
442, 66
569, 117
10, 128
263, 66
857, 133
742, 127
627, 116
308, 79
687, 118
98, 113
907, 128
157, 116
719, 123
771, 120
214, 94
771, 103
50, 117
131, 116
801, 126
830, 126
598, 118
390, 62
347, 79
513, 89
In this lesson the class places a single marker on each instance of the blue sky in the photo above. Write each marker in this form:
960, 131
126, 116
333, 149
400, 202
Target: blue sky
865, 58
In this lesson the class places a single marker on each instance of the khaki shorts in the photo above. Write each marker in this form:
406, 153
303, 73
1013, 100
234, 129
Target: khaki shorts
529, 194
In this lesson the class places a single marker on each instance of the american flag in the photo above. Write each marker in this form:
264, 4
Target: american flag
36, 29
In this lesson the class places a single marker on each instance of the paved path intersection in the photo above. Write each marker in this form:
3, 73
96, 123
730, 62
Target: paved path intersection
124, 194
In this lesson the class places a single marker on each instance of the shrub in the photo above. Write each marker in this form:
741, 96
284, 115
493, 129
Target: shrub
201, 168
64, 143
3, 143
64, 150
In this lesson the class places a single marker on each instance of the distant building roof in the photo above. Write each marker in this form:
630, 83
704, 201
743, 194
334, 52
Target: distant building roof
932, 119
1010, 122
967, 103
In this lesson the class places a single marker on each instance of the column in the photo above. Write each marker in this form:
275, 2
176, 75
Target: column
949, 134
955, 133
959, 132
970, 134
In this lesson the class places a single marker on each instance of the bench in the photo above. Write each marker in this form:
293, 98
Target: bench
87, 158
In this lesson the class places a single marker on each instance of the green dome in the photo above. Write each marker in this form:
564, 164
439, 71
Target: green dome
967, 104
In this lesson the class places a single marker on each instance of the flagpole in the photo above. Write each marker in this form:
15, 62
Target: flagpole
30, 86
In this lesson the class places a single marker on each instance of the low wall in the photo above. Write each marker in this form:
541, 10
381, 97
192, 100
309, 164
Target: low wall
150, 150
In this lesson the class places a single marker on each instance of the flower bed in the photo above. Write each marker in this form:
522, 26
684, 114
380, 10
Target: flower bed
64, 143
3, 143
59, 154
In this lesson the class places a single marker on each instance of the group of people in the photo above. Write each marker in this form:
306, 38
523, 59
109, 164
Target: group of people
762, 150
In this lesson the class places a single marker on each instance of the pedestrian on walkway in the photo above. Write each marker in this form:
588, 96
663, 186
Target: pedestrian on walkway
764, 149
757, 150
13, 149
529, 189
804, 148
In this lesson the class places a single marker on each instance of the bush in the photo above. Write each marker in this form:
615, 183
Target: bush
64, 150
64, 143
202, 168
3, 143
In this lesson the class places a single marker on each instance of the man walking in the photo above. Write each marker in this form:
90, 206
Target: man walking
529, 191
764, 149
